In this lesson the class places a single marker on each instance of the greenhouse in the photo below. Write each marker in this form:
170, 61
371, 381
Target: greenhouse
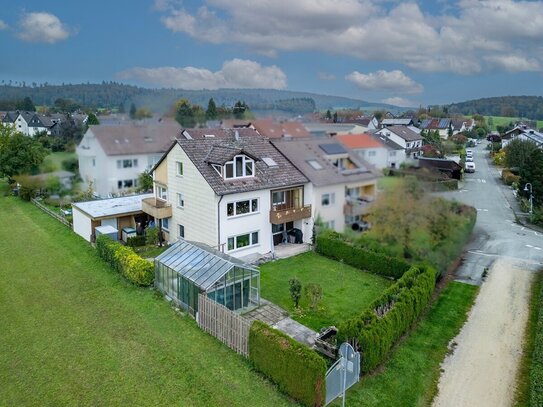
188, 269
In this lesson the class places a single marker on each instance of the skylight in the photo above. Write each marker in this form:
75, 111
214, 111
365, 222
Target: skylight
269, 161
315, 164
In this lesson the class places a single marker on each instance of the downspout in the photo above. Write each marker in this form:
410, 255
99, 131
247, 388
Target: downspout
219, 224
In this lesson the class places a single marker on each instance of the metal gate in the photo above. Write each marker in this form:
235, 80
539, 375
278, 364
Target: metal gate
343, 374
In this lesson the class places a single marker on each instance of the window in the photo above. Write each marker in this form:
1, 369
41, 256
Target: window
315, 164
278, 198
328, 199
241, 166
166, 224
179, 168
94, 162
180, 200
392, 154
217, 168
127, 163
182, 231
372, 153
128, 183
162, 192
135, 162
240, 241
242, 207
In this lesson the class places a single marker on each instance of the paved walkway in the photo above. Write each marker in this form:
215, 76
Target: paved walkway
278, 318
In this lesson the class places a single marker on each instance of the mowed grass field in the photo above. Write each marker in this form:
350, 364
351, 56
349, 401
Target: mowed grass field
72, 332
346, 291
502, 121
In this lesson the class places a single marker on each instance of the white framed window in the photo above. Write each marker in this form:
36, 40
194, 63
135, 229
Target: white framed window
181, 231
217, 168
240, 166
162, 192
127, 183
278, 198
244, 240
328, 199
372, 153
94, 162
166, 224
179, 168
392, 154
244, 207
180, 200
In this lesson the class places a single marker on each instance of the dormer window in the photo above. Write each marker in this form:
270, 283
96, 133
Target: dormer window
240, 166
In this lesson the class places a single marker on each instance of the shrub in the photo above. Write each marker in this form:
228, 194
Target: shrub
536, 370
70, 164
125, 261
295, 288
313, 293
151, 235
509, 178
378, 328
136, 241
332, 244
296, 369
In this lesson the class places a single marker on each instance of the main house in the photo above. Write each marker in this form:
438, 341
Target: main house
230, 189
342, 185
409, 140
111, 157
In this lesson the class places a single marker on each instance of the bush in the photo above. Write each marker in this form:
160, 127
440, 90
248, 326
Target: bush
71, 164
509, 178
536, 370
136, 241
333, 245
151, 235
296, 369
125, 261
378, 328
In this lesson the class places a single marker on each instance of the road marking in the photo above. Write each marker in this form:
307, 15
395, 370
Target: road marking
482, 210
483, 181
537, 248
529, 245
522, 228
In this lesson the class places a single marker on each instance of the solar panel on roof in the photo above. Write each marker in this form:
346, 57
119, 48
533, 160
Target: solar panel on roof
332, 148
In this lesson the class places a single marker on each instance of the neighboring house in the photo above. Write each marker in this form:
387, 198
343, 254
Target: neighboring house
318, 129
370, 123
395, 153
461, 125
40, 124
443, 126
410, 141
30, 123
342, 185
523, 132
230, 189
274, 129
367, 147
113, 157
396, 122
118, 213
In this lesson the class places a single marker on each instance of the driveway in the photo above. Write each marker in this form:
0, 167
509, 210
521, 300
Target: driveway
482, 367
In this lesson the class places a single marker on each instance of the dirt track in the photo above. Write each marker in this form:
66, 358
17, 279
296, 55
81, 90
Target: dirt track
482, 368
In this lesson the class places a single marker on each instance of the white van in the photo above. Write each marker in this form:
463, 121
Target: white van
469, 167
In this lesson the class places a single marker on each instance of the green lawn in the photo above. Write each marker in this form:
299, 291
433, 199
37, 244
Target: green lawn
501, 121
346, 290
150, 250
388, 182
411, 375
72, 332
54, 160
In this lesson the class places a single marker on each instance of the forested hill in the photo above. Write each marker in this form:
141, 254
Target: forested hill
111, 95
530, 107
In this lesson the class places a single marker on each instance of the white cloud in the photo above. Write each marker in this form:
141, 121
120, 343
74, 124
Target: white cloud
3, 26
323, 76
42, 27
236, 73
399, 101
381, 80
466, 37
514, 63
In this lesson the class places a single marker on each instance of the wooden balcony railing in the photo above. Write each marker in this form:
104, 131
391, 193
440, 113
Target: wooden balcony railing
284, 215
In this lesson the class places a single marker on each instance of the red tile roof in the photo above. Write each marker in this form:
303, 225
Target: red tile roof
357, 141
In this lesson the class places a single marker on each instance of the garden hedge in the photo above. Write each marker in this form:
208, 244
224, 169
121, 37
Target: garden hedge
136, 241
296, 369
333, 245
377, 329
536, 370
125, 261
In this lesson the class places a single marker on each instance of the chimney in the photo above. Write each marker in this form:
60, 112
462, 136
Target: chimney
236, 135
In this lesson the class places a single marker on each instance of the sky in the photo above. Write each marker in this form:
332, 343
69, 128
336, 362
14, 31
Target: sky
407, 53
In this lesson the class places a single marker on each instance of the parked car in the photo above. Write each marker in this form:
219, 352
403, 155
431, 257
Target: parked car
469, 159
469, 167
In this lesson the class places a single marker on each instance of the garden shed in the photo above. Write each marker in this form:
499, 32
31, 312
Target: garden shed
187, 269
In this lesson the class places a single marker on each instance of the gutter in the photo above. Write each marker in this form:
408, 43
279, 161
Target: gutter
219, 223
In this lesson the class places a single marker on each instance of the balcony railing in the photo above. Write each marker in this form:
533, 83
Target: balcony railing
284, 215
356, 207
157, 208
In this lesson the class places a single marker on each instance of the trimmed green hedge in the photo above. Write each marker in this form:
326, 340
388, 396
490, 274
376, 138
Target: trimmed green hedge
378, 328
125, 261
536, 370
333, 245
296, 369
136, 241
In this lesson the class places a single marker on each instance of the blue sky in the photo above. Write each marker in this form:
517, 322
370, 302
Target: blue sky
406, 53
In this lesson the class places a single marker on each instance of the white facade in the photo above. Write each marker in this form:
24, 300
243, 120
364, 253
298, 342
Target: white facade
110, 175
406, 145
376, 156
395, 158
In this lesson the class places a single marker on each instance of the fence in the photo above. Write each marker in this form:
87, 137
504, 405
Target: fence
227, 326
51, 213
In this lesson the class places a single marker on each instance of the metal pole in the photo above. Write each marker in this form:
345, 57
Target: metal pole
344, 383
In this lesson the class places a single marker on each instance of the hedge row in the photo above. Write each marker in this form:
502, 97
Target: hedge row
536, 370
378, 328
296, 369
136, 241
332, 244
509, 178
125, 261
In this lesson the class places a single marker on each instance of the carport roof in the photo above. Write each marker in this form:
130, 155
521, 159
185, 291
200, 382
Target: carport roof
103, 208
199, 263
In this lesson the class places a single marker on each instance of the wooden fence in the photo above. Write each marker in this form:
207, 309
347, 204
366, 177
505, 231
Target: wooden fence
51, 213
225, 325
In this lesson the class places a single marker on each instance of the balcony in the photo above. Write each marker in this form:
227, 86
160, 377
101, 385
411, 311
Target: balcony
157, 208
279, 215
356, 207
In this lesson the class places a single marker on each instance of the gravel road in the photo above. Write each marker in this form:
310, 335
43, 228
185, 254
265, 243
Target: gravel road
481, 369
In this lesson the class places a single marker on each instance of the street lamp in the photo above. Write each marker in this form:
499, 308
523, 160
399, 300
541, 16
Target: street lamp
531, 196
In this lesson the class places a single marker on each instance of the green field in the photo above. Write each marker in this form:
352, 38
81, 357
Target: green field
72, 332
501, 121
411, 375
54, 160
346, 290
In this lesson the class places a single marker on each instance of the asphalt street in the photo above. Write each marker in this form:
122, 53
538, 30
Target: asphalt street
496, 233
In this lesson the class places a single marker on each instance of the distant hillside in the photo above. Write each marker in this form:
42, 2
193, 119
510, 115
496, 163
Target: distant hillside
111, 95
530, 107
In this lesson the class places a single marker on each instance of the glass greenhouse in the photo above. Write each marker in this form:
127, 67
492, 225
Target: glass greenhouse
188, 269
